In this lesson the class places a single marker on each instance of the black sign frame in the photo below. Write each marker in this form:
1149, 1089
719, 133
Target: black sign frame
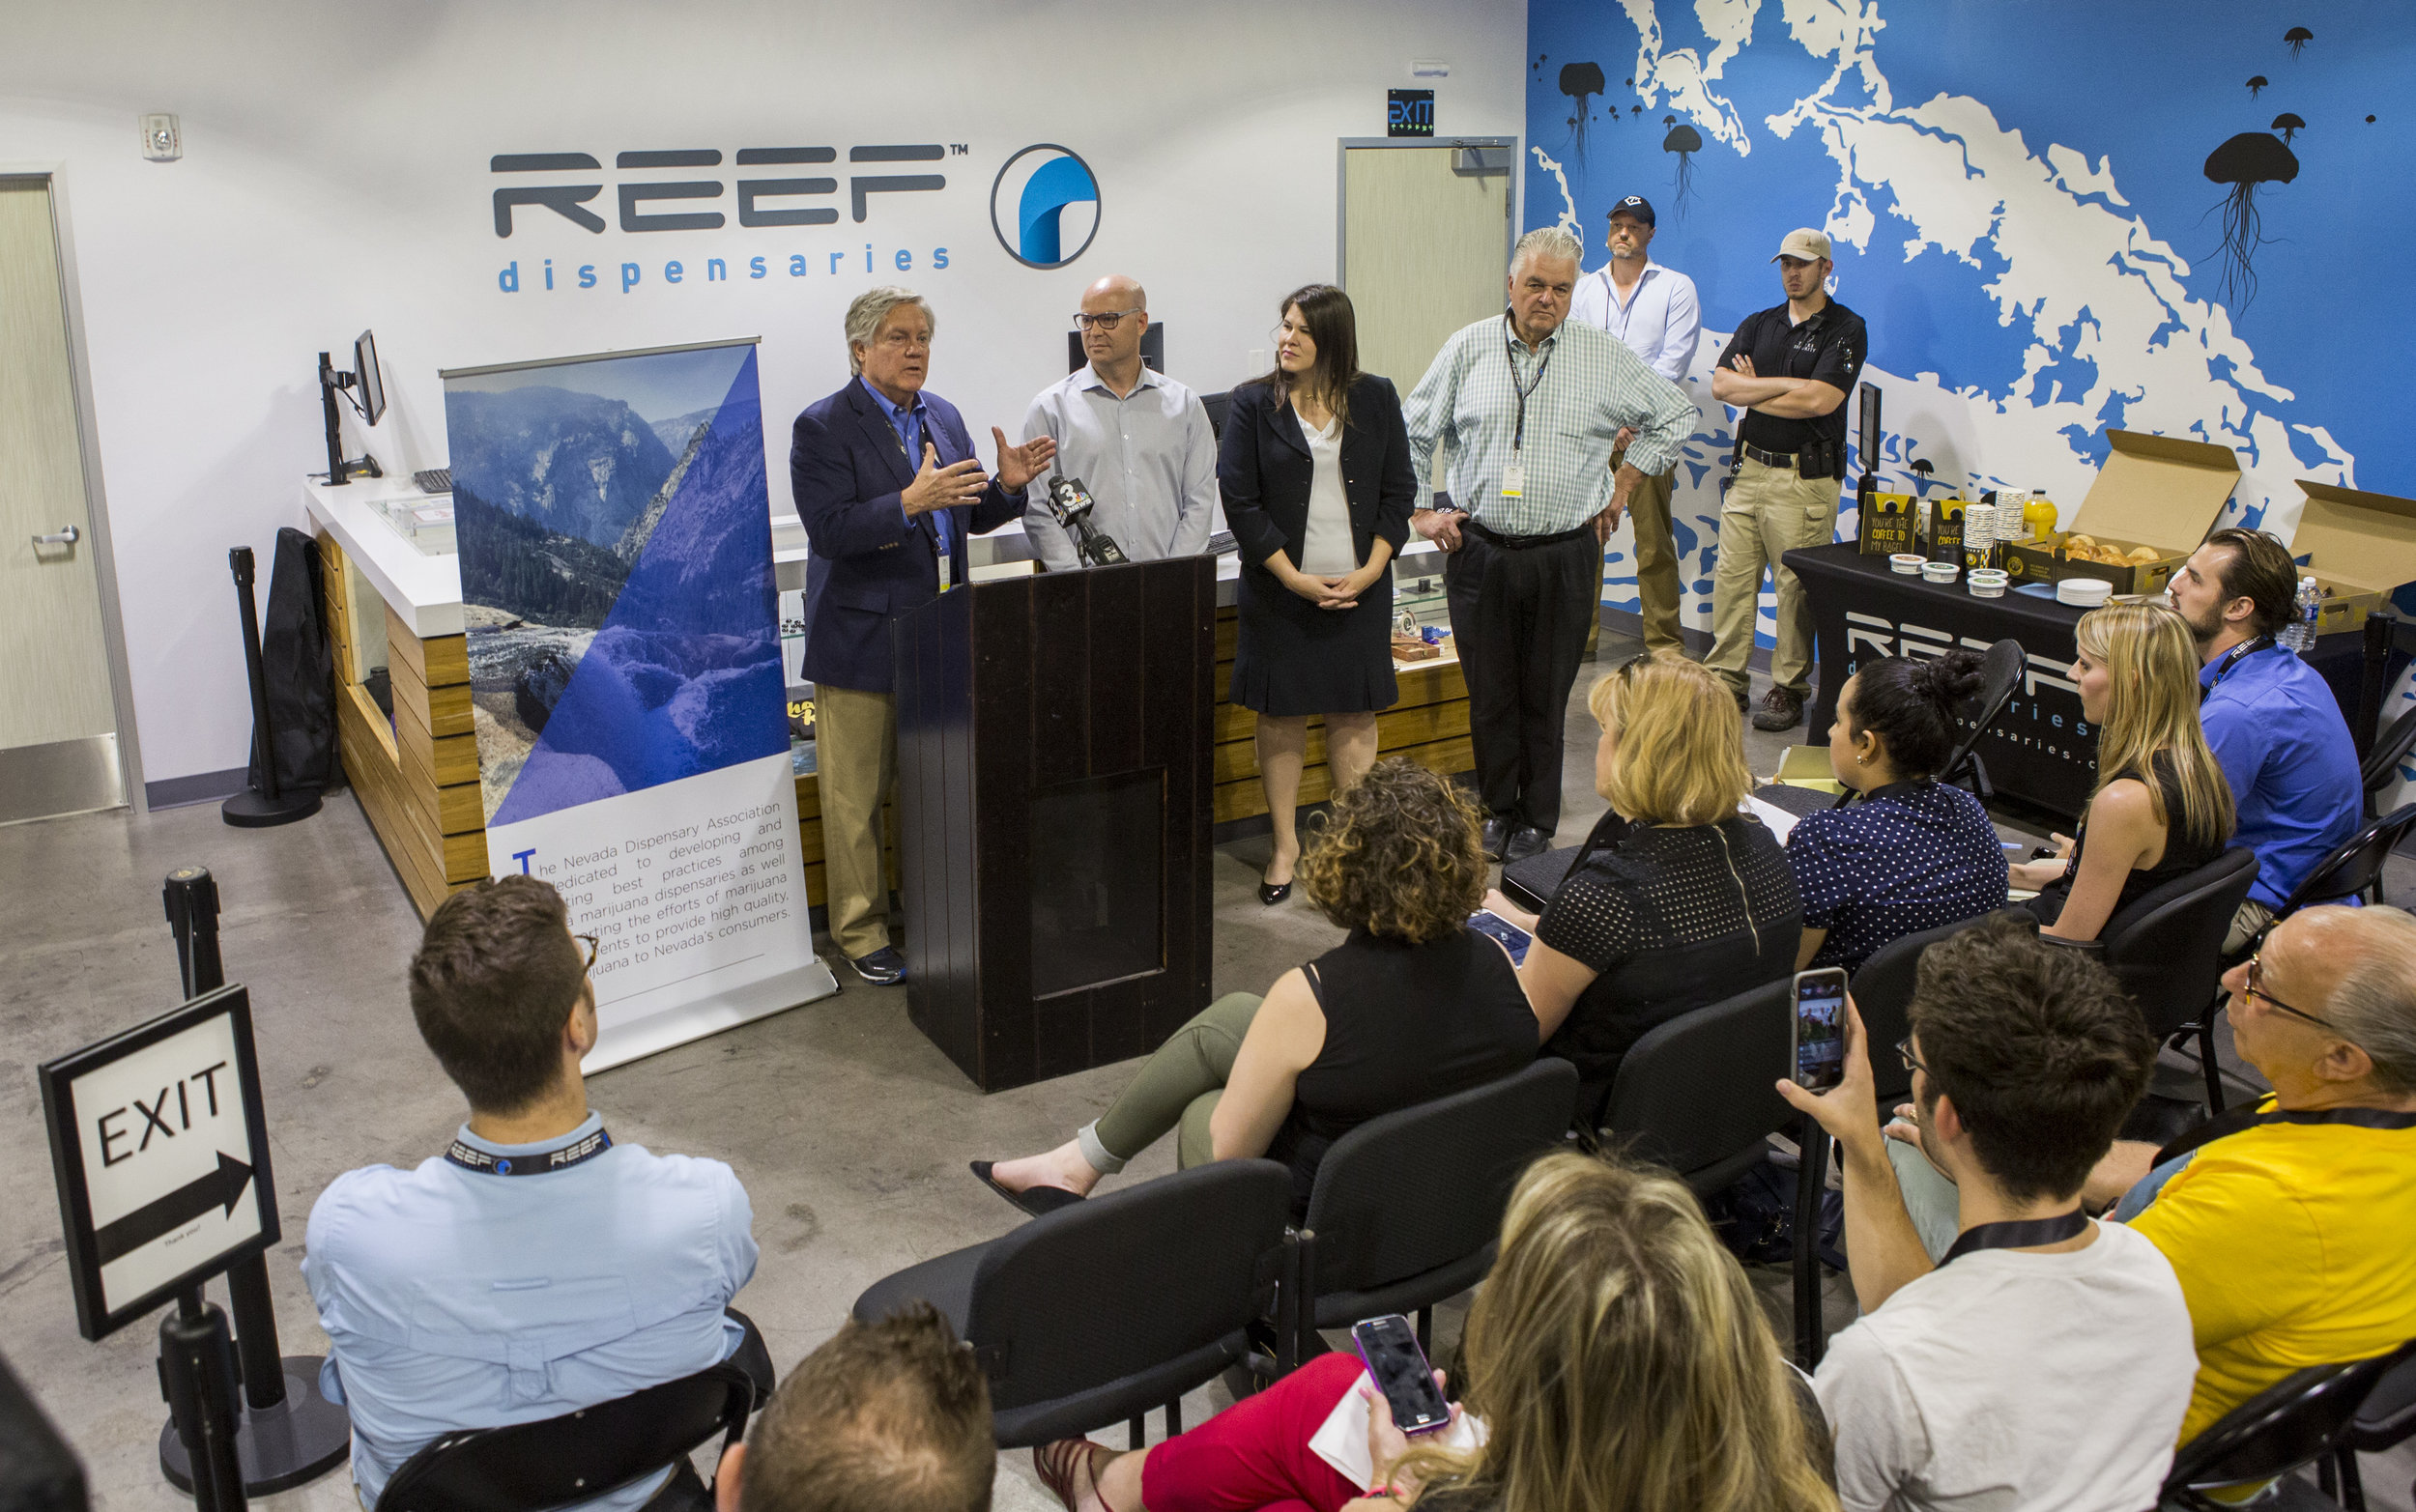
1403, 110
92, 1319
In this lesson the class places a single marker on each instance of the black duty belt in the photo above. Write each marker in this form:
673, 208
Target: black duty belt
472, 1158
1771, 459
1523, 543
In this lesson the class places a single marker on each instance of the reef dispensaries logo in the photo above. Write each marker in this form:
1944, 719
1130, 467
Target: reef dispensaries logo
1046, 193
1045, 200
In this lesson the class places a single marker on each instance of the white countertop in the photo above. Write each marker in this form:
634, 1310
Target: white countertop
424, 592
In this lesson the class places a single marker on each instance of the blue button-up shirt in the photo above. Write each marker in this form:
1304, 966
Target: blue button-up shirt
455, 1299
907, 422
1910, 856
2274, 725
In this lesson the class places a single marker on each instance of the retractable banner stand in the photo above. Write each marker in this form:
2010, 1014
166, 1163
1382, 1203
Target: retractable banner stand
625, 679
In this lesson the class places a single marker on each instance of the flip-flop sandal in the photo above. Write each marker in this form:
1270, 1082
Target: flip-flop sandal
1056, 1462
1038, 1201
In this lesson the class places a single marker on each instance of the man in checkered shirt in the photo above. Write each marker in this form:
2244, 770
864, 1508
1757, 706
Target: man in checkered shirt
1529, 410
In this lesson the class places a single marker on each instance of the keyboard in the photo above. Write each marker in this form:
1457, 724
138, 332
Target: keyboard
435, 480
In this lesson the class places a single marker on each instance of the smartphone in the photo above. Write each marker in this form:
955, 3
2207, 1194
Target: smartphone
1484, 921
1820, 1028
1388, 1347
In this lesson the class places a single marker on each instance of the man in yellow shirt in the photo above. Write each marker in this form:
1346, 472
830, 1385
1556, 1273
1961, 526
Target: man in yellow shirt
2290, 1223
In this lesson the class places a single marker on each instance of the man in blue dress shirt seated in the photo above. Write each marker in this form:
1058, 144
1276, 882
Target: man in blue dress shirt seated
536, 1267
2270, 719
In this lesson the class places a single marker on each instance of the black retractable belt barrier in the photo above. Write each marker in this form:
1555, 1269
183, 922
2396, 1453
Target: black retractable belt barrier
284, 1431
258, 808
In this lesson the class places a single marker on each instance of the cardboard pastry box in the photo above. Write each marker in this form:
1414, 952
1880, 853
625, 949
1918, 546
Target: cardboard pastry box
2161, 491
2359, 548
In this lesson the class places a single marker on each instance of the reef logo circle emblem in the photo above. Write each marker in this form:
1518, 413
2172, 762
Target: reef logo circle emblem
1045, 206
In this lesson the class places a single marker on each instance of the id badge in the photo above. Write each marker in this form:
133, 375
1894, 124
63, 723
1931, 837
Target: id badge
1514, 478
947, 571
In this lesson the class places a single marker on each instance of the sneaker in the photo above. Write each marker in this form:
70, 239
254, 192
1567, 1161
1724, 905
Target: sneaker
1782, 708
884, 967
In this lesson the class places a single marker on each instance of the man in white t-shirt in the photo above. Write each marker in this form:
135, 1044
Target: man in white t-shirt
2046, 1363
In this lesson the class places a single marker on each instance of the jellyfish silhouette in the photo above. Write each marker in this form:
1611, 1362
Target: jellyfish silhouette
1922, 466
2242, 164
2256, 86
2369, 120
1685, 141
1635, 110
2289, 124
1580, 81
2298, 36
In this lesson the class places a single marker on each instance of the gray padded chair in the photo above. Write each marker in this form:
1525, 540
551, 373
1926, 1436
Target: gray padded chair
1103, 1310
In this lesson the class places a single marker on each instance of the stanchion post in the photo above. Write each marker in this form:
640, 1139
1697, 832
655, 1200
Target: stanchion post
197, 1376
264, 806
1811, 1181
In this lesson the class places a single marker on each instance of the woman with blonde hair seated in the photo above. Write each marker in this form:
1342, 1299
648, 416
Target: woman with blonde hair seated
1616, 1358
1677, 900
2163, 808
1413, 1006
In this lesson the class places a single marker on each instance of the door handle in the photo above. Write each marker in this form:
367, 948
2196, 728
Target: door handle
66, 536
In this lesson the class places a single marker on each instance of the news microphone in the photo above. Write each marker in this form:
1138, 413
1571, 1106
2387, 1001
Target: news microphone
1071, 504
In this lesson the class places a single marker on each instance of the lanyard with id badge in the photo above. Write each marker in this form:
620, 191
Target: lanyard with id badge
941, 555
1514, 472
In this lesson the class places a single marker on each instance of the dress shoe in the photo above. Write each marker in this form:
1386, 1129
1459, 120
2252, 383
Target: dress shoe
1495, 838
882, 968
1274, 893
1528, 841
1782, 708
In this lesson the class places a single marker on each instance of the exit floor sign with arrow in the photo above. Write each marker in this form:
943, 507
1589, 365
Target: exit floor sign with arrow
161, 1157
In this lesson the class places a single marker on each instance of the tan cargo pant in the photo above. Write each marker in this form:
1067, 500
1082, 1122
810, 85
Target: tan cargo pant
855, 761
1769, 512
1656, 558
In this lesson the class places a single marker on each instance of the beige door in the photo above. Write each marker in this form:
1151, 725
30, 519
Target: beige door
1425, 249
58, 727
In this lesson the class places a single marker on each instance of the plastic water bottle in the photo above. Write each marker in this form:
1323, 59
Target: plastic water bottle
2300, 633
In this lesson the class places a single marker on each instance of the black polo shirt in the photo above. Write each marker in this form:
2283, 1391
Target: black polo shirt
1828, 347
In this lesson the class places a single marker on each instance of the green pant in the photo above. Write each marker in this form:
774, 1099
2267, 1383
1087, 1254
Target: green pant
1178, 1088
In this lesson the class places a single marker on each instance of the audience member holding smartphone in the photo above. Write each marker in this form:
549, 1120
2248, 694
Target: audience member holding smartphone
1413, 1006
1617, 1357
2045, 1360
1915, 853
1678, 901
2163, 808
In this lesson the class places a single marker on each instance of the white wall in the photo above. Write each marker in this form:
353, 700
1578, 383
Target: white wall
335, 176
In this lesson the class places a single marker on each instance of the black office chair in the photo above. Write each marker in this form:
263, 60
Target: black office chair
2000, 675
2353, 870
2167, 950
1699, 1095
1103, 1310
2304, 1417
1407, 1207
577, 1456
2381, 767
1217, 405
1883, 994
2386, 1420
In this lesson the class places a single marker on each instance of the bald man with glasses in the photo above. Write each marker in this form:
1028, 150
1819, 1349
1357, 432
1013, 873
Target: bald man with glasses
1139, 442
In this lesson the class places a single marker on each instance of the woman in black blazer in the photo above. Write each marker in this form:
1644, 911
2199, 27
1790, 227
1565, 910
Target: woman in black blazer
1314, 470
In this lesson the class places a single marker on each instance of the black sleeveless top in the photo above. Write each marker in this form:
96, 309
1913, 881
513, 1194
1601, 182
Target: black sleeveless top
2182, 855
1405, 1024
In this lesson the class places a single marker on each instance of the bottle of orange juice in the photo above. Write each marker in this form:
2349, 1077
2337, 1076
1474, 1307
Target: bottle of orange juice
2038, 517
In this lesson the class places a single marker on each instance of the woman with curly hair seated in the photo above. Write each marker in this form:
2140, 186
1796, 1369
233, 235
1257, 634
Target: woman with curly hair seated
1413, 1006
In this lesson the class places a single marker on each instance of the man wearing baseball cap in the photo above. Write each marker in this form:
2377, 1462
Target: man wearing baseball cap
1653, 309
1790, 369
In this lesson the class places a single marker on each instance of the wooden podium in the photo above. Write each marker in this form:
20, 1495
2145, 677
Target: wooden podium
1053, 789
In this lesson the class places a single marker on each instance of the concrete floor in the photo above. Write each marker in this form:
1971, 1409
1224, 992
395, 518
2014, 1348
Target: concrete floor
848, 1129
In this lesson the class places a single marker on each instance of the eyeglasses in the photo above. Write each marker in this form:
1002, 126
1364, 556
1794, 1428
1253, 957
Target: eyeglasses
593, 943
1106, 320
2255, 972
1903, 1052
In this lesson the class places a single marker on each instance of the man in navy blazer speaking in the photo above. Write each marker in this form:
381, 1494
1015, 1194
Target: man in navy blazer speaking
888, 488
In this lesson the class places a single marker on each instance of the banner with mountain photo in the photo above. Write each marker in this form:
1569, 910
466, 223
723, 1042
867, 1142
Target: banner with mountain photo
625, 678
